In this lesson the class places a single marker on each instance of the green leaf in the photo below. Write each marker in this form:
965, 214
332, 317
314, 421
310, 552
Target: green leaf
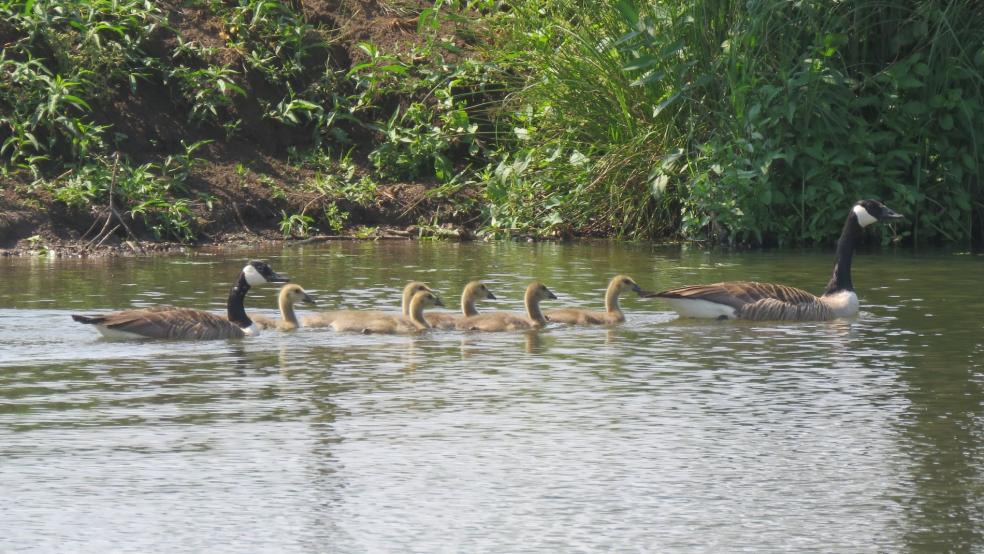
946, 122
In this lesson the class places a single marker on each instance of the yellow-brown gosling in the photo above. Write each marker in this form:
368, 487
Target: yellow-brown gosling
289, 295
613, 312
503, 321
325, 319
382, 323
473, 292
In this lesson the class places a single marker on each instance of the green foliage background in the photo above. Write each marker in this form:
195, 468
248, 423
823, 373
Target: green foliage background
752, 121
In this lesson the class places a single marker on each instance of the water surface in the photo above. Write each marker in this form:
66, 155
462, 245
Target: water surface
658, 435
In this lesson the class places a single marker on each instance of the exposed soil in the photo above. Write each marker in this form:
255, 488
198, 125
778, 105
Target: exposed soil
248, 178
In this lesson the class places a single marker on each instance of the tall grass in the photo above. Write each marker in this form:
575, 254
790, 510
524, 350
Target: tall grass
749, 121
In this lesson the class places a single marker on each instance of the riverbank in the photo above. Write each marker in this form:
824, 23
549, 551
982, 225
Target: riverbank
197, 120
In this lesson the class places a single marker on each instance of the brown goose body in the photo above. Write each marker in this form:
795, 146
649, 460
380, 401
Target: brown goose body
503, 321
327, 318
288, 297
168, 322
473, 292
613, 311
383, 323
772, 302
759, 302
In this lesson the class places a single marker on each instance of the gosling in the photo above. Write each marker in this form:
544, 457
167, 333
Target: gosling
382, 323
613, 312
473, 292
503, 321
289, 295
325, 319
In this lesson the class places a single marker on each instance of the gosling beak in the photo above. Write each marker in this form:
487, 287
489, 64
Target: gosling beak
637, 289
891, 214
308, 300
437, 301
490, 296
551, 295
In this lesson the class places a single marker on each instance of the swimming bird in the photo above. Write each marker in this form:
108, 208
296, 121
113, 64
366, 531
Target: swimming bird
473, 292
504, 321
613, 312
383, 323
289, 295
169, 322
325, 319
768, 301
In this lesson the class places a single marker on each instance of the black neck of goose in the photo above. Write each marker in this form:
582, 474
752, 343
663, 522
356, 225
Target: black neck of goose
841, 280
236, 310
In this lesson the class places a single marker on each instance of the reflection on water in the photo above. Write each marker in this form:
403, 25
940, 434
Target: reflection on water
658, 435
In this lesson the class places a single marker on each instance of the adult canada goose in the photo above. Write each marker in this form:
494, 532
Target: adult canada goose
168, 322
767, 301
503, 321
289, 295
325, 319
383, 323
613, 312
474, 291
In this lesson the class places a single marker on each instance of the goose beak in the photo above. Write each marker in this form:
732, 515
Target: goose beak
891, 214
490, 296
278, 278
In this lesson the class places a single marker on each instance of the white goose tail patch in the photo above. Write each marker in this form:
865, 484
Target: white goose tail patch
702, 309
842, 303
116, 334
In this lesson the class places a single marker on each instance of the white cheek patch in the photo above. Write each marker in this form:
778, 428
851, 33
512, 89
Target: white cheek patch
864, 218
253, 277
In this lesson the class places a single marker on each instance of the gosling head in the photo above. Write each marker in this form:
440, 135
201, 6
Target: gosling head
258, 272
872, 211
478, 291
427, 299
296, 295
626, 284
538, 291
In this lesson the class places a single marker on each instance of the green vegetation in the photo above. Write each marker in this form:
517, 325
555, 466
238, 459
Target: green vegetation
732, 121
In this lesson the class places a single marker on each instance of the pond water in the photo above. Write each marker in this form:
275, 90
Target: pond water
661, 434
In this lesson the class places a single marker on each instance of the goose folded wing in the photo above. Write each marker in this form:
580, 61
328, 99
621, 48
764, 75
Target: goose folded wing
738, 294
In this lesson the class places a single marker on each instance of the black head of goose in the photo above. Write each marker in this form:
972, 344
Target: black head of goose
168, 322
768, 301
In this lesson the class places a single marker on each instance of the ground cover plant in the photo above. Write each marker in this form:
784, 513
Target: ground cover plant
714, 120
